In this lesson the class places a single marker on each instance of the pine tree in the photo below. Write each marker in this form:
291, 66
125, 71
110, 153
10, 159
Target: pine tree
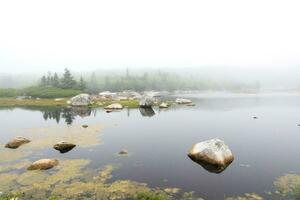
43, 81
67, 81
55, 80
81, 84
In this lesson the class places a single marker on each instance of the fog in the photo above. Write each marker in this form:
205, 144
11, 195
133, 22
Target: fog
238, 41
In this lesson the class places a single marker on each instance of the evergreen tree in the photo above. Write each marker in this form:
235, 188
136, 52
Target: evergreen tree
81, 84
55, 80
68, 81
43, 81
49, 77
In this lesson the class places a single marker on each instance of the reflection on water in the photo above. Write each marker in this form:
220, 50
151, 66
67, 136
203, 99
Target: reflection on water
68, 114
147, 112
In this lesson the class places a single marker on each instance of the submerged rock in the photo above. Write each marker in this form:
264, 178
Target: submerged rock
43, 164
146, 102
213, 155
81, 100
114, 106
183, 101
16, 142
164, 105
64, 147
123, 152
191, 104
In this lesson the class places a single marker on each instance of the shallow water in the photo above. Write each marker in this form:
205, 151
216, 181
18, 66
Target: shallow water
264, 148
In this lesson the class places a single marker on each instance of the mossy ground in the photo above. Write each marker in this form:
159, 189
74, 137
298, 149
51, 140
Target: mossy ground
12, 102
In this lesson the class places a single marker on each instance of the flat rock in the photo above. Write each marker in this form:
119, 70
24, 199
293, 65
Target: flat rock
183, 101
113, 106
213, 155
64, 147
43, 164
164, 105
16, 142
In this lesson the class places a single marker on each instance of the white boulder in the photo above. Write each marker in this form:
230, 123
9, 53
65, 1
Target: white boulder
81, 100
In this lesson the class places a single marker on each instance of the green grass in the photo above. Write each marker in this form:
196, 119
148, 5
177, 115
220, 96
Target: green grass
13, 102
151, 196
41, 92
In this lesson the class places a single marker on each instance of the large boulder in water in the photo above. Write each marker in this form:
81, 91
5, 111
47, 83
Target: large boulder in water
43, 164
213, 155
146, 101
64, 147
81, 100
16, 142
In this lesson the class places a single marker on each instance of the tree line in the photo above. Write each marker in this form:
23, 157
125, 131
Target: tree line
67, 81
158, 80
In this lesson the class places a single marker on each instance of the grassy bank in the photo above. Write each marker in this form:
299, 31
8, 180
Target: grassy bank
40, 92
13, 102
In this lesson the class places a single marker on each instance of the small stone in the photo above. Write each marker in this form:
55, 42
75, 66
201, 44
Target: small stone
16, 142
64, 147
43, 164
163, 105
123, 152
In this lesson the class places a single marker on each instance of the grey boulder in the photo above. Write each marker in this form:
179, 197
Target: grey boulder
81, 100
213, 155
146, 102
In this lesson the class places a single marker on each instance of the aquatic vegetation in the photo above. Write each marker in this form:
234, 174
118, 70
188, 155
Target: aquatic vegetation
151, 196
7, 180
46, 137
71, 180
288, 185
8, 155
14, 166
247, 196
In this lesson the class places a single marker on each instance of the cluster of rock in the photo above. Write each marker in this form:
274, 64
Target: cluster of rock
42, 164
146, 100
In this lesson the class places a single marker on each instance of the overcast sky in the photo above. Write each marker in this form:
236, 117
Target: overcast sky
86, 35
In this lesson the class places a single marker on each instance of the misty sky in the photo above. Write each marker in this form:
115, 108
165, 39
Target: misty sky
86, 35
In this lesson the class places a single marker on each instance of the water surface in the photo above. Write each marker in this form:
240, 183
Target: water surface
264, 148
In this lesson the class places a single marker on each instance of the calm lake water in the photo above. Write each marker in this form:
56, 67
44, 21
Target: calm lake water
264, 148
